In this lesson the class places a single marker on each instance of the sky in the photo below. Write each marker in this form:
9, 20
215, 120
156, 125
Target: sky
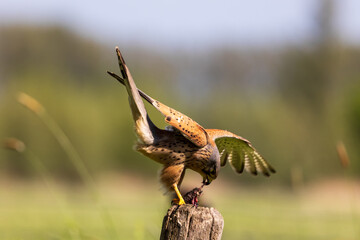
191, 24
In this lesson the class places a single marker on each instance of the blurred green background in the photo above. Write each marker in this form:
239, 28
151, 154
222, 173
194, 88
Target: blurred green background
298, 102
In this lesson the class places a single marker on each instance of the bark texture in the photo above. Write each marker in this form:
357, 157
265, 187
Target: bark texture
190, 222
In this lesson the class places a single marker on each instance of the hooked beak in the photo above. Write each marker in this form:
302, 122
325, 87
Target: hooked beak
207, 180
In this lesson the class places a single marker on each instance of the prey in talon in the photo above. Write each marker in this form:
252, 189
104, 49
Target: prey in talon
192, 197
185, 144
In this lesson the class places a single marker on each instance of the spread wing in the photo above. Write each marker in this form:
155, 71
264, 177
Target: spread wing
239, 152
188, 127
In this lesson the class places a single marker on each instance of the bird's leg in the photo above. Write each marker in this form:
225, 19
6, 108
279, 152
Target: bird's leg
181, 200
170, 176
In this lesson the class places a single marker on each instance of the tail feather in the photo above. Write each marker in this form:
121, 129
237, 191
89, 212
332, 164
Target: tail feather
142, 94
143, 125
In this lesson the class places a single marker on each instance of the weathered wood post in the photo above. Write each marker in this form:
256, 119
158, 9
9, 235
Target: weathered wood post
190, 222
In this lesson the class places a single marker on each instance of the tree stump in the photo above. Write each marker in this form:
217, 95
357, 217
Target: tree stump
191, 222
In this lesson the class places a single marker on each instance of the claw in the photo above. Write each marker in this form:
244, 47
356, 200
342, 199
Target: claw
176, 201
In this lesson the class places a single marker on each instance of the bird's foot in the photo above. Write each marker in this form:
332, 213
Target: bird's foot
181, 200
177, 201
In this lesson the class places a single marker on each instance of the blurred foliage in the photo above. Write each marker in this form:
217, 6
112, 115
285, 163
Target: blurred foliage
294, 103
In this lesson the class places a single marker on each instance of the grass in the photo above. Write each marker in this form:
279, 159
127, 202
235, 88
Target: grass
29, 212
37, 108
284, 216
137, 207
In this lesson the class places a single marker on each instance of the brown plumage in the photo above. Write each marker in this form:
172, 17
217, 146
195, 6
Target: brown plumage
185, 144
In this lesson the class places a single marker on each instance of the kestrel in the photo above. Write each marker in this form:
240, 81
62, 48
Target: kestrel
184, 143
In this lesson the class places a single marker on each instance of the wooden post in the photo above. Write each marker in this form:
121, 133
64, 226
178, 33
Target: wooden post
190, 222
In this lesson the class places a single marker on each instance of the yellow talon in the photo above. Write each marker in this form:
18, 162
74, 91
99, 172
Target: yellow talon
181, 200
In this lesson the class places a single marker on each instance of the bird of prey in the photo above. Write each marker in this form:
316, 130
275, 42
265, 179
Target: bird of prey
184, 144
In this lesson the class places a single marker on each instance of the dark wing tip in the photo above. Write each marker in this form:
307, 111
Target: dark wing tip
111, 74
241, 170
120, 57
118, 53
272, 169
267, 169
116, 77
121, 62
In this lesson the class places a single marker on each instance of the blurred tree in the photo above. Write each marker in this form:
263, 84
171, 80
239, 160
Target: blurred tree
310, 83
53, 50
306, 76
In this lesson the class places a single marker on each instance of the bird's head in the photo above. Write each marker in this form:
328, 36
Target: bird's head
211, 169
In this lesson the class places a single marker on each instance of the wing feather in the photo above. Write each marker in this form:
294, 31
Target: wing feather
259, 164
243, 162
223, 157
188, 127
236, 160
239, 152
